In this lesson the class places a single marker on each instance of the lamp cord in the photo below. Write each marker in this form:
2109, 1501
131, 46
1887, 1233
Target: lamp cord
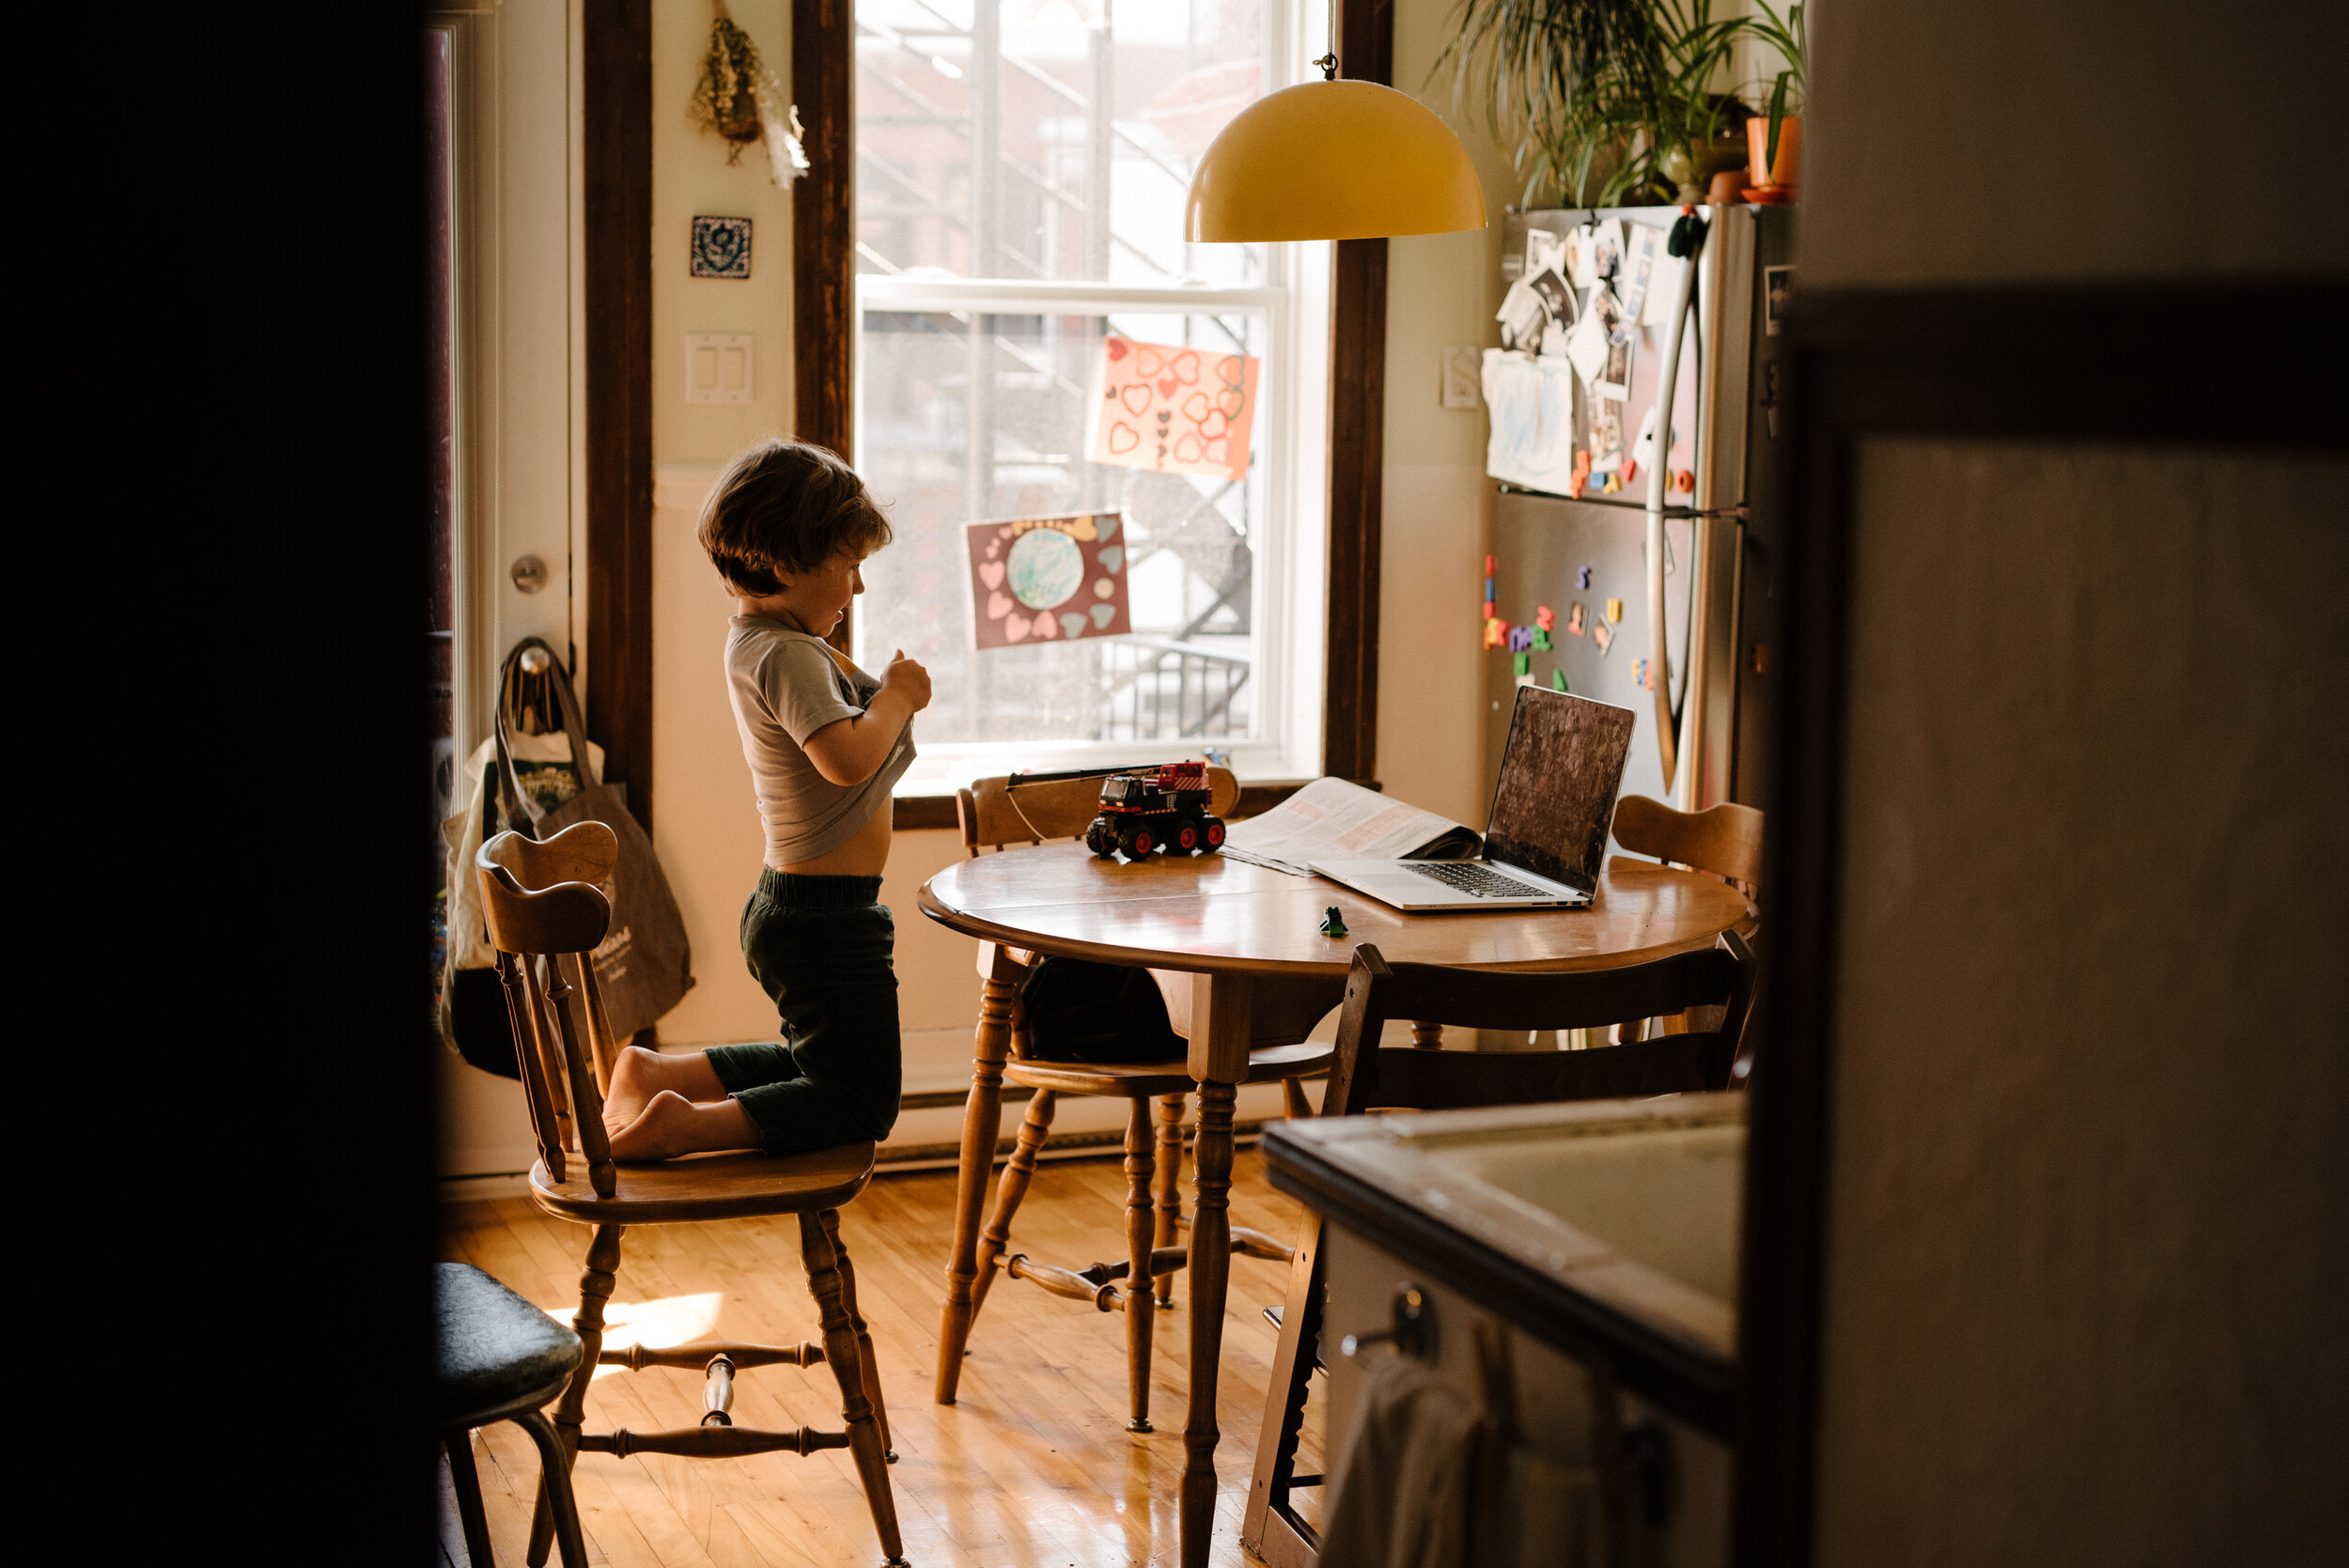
1329, 62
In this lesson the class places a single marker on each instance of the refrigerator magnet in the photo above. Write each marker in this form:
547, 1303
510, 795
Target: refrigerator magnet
1614, 609
1603, 634
1574, 616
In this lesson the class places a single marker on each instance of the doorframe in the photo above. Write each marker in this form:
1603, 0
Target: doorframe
2077, 365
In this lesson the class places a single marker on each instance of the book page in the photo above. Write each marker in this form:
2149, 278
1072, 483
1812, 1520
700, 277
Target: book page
1332, 819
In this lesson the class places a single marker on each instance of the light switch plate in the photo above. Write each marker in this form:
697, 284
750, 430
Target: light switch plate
1462, 375
718, 367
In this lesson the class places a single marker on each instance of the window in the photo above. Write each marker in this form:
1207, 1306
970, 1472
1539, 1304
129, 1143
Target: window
1022, 167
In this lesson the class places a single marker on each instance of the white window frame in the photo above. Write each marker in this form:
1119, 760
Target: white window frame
1290, 609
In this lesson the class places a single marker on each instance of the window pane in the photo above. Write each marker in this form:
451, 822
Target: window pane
1047, 138
1191, 540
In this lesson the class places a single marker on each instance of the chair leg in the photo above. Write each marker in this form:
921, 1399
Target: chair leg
1269, 1509
982, 1120
555, 1477
1293, 1101
863, 1335
1140, 1286
467, 1482
1170, 1185
866, 1444
595, 1289
1011, 1189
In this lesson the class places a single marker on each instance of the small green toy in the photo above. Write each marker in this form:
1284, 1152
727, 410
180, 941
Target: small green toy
1332, 924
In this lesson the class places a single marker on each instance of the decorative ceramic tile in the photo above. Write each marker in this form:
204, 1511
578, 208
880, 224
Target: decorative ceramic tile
722, 247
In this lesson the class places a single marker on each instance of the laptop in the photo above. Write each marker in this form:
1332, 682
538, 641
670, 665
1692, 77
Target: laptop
1551, 810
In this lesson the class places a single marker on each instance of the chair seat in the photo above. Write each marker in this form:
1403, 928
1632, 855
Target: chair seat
1148, 1080
709, 1187
494, 1347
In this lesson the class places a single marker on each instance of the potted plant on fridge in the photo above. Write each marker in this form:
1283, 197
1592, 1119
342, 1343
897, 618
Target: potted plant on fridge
1774, 137
1610, 101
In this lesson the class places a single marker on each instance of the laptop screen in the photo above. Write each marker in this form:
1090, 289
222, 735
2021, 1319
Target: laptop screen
1558, 783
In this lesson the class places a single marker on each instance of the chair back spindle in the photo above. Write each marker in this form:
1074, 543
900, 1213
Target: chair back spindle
546, 934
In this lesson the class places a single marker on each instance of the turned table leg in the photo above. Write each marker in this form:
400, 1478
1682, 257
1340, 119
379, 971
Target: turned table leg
1210, 1283
1222, 1028
981, 1123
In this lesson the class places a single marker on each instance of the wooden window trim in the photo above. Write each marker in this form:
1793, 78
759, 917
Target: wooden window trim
1358, 416
615, 48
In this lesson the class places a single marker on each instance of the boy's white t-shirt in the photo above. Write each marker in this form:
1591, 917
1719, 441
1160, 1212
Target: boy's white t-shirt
787, 685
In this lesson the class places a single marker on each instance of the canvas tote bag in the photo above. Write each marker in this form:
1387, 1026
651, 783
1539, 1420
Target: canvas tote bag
643, 967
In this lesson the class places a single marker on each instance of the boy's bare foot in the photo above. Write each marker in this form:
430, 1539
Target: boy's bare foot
671, 1125
639, 1074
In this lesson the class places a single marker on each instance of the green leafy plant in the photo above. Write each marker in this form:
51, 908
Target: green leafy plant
1792, 39
1601, 97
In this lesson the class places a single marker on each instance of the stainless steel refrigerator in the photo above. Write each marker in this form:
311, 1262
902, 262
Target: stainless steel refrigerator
1720, 474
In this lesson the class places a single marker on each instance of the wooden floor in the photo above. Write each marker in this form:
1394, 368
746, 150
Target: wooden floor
1032, 1468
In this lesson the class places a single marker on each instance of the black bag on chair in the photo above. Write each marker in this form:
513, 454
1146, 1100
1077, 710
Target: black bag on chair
1080, 1010
645, 966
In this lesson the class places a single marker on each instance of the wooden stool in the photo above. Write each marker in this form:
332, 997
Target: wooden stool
500, 1360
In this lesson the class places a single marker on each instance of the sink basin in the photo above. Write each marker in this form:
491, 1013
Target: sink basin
1608, 1228
1667, 1198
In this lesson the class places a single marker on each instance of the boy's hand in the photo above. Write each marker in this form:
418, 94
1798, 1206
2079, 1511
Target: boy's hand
907, 679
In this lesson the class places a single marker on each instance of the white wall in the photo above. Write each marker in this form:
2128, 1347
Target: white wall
2012, 142
1441, 289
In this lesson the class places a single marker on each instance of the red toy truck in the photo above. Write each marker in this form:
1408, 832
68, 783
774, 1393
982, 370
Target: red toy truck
1164, 808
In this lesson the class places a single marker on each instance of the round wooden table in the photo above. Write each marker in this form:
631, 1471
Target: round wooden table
1238, 952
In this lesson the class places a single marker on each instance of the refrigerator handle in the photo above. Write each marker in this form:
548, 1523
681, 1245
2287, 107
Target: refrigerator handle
1687, 239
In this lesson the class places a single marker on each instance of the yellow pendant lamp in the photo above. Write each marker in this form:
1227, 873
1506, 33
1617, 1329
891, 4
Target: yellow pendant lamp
1333, 159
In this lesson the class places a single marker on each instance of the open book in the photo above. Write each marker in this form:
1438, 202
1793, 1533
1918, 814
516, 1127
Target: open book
1332, 819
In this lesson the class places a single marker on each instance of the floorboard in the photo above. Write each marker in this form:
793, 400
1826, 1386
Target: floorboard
1032, 1468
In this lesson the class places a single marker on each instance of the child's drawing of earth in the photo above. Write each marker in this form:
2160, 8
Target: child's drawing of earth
1045, 568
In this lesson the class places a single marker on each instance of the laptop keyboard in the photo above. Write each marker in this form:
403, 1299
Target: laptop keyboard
1477, 881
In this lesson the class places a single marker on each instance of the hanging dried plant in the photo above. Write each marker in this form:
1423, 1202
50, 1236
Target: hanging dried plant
741, 100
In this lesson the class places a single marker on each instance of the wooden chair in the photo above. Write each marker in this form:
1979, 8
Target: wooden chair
1369, 1077
1723, 841
545, 915
499, 1359
998, 811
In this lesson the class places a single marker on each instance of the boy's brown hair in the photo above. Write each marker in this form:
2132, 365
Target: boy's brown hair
783, 508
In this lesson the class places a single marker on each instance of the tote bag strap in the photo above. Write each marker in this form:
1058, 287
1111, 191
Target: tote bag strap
521, 810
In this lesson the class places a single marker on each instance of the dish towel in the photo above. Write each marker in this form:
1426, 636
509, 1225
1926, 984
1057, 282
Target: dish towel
1434, 1477
1404, 1483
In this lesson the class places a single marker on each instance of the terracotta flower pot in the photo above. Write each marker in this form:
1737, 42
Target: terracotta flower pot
1786, 173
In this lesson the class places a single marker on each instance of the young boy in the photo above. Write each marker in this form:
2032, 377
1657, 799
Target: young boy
787, 527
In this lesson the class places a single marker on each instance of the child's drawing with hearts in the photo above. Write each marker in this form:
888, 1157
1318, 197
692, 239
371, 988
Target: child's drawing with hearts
1054, 578
1174, 409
